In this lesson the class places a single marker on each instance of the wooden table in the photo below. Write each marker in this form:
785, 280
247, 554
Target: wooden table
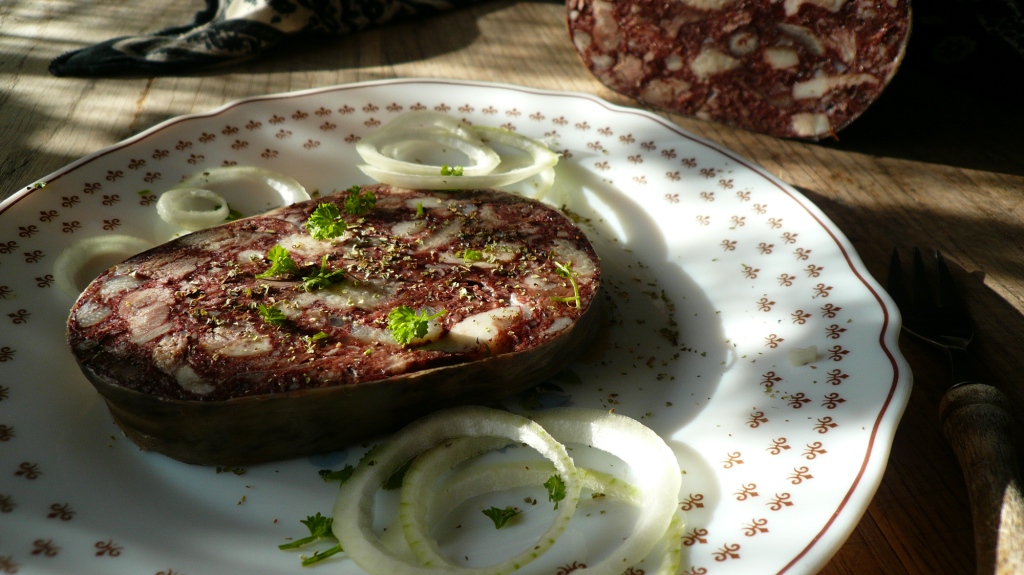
938, 161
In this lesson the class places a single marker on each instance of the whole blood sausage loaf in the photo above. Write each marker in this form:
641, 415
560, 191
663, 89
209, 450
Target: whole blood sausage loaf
211, 350
788, 68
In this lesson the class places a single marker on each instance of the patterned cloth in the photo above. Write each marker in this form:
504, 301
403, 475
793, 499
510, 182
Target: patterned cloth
227, 31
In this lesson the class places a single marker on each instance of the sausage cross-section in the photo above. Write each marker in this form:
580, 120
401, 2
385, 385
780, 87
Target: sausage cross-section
787, 68
205, 350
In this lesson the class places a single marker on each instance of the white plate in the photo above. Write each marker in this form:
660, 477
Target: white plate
716, 268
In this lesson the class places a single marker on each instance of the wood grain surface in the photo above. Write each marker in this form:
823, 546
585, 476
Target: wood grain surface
938, 161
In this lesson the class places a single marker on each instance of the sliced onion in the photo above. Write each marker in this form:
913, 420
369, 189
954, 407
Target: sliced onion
84, 260
440, 442
353, 511
288, 189
504, 475
382, 152
651, 461
192, 208
483, 159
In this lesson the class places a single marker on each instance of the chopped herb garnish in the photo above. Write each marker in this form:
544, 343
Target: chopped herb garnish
311, 340
325, 222
281, 263
359, 202
472, 255
419, 209
447, 170
341, 475
323, 278
565, 270
556, 489
319, 528
501, 516
271, 315
406, 325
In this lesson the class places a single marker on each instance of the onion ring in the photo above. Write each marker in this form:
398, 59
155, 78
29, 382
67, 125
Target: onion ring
72, 270
406, 134
184, 207
353, 511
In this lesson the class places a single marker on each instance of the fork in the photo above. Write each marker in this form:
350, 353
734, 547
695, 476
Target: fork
975, 416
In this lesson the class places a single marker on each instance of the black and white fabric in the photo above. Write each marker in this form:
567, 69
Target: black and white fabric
228, 31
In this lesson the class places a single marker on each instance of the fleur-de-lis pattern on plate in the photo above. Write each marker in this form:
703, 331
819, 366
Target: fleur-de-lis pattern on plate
743, 267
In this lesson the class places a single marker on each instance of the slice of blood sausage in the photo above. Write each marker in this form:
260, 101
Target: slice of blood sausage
787, 68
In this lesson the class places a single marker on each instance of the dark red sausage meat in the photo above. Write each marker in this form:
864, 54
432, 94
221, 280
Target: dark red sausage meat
788, 68
201, 359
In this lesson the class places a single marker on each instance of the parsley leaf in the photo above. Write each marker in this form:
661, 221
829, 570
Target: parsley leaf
319, 528
556, 489
322, 278
271, 315
565, 270
472, 255
311, 340
341, 475
325, 222
451, 171
281, 263
406, 325
359, 202
501, 516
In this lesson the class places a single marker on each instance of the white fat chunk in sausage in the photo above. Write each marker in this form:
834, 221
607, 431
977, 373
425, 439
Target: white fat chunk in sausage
226, 239
249, 256
169, 352
806, 124
818, 87
91, 313
173, 267
203, 238
804, 36
629, 69
459, 259
408, 228
118, 284
670, 28
368, 334
341, 296
845, 43
478, 330
607, 35
191, 381
560, 324
781, 57
564, 251
239, 340
442, 237
602, 61
793, 6
661, 91
710, 62
146, 313
743, 43
302, 246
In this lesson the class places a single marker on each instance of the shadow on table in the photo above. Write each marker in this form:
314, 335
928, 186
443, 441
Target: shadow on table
955, 100
395, 43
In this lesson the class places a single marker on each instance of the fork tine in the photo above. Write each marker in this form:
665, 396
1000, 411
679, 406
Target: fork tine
925, 310
952, 303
